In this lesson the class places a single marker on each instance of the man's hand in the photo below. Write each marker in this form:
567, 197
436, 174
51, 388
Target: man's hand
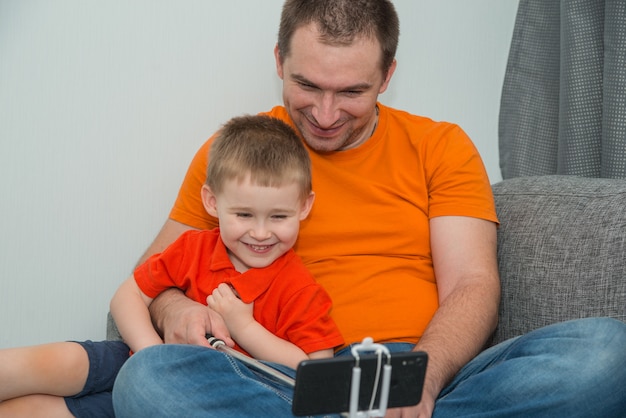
236, 314
181, 320
424, 409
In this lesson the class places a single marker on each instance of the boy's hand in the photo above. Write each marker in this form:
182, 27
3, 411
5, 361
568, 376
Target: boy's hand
236, 314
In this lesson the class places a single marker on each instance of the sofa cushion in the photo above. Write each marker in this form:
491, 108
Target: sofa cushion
561, 251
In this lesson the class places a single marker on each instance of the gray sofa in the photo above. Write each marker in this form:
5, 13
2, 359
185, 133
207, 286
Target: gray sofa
561, 251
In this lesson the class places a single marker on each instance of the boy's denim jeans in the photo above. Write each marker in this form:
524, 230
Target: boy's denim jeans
571, 369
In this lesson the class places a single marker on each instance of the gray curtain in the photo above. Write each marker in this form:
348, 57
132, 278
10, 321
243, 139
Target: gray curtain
563, 106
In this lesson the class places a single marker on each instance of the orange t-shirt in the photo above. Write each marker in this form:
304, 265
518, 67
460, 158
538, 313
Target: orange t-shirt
367, 238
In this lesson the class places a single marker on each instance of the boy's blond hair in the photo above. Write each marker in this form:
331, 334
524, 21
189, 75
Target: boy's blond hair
264, 149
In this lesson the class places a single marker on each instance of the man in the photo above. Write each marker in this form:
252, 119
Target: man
402, 236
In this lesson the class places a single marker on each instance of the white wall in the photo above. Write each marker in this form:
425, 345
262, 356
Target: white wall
102, 105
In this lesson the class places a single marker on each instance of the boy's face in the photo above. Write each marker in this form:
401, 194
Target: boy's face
257, 224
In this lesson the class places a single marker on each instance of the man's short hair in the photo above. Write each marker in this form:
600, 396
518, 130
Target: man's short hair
340, 22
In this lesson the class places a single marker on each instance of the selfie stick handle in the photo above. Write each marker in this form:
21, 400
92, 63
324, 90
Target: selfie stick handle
369, 346
221, 346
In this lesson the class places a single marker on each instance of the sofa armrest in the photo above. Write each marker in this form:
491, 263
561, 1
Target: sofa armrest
561, 251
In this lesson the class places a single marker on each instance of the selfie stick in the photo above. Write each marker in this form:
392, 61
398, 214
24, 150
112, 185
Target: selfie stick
369, 346
221, 346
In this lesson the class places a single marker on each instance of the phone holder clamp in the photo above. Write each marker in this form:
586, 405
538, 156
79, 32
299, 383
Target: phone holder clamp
368, 346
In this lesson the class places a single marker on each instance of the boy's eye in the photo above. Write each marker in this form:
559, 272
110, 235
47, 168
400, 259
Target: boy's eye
243, 215
279, 216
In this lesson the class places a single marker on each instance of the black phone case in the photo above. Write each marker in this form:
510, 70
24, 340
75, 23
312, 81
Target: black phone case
323, 386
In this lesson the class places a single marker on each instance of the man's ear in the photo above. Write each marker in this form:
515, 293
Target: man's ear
209, 201
390, 71
307, 205
279, 63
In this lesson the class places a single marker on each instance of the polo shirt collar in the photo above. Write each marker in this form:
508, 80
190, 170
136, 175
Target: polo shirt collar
250, 284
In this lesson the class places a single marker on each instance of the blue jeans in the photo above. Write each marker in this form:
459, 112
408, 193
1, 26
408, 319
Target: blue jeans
571, 369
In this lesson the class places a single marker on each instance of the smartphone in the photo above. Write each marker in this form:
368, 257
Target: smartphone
323, 386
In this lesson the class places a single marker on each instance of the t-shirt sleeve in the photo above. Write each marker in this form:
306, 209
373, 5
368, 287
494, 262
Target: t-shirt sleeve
457, 180
158, 273
188, 208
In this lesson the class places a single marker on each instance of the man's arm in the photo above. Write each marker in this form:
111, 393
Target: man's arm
464, 257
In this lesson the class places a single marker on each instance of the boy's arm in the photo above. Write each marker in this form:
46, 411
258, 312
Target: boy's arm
263, 345
252, 336
129, 308
328, 353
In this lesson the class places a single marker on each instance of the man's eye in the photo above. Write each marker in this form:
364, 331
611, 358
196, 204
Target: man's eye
352, 93
306, 86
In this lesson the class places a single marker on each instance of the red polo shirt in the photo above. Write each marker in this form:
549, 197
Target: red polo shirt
287, 300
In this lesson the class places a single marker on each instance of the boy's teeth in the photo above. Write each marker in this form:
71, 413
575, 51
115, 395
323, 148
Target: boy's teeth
260, 247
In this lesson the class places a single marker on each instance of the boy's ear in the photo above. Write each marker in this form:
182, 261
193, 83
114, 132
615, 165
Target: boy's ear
209, 201
307, 205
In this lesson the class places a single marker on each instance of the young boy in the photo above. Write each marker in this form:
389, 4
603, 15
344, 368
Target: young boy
259, 187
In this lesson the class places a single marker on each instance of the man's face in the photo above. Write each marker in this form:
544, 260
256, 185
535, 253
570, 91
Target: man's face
330, 92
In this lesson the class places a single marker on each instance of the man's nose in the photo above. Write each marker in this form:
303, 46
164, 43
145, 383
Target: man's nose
325, 111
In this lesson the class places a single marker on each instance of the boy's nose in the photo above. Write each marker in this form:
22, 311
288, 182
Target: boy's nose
260, 232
